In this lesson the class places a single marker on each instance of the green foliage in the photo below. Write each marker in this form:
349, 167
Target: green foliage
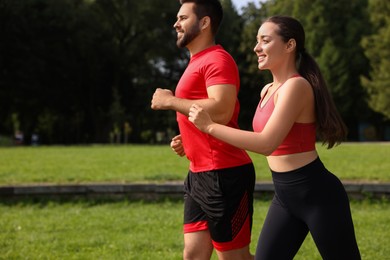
332, 30
252, 80
65, 57
229, 33
376, 47
5, 140
66, 63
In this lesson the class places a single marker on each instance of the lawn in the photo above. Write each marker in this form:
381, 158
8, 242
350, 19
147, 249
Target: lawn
123, 229
140, 163
144, 230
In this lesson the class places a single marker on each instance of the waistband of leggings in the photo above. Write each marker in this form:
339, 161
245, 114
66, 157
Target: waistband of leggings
305, 171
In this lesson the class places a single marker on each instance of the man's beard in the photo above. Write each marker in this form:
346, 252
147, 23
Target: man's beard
188, 36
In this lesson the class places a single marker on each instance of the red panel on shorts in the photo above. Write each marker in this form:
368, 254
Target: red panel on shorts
196, 226
242, 239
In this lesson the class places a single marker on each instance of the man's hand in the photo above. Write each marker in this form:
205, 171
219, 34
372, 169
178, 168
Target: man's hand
177, 145
161, 99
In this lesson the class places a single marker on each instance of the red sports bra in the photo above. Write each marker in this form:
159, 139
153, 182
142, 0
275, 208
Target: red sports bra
301, 138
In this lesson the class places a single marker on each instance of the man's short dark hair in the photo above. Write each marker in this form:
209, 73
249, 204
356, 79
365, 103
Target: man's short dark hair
210, 8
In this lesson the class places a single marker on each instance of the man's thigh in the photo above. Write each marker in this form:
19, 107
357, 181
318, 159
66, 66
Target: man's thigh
197, 245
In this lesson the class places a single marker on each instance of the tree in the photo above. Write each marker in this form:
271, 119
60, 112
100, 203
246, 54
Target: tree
72, 70
333, 29
252, 80
229, 33
61, 62
145, 57
51, 59
376, 46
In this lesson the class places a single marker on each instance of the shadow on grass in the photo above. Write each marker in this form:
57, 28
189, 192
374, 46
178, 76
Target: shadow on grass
88, 201
107, 199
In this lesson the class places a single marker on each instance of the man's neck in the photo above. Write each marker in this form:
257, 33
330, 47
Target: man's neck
196, 47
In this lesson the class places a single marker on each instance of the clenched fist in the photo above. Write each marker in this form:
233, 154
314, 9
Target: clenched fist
161, 99
177, 145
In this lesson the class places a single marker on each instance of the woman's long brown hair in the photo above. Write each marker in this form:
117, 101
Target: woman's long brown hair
331, 129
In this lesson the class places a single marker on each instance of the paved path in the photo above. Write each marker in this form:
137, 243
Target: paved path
155, 191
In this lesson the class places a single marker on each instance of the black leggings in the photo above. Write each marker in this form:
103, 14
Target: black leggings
308, 199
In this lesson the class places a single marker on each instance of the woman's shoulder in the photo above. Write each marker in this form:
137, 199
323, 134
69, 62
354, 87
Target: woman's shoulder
297, 90
265, 88
297, 84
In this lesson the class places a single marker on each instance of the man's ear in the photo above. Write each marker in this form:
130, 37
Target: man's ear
205, 22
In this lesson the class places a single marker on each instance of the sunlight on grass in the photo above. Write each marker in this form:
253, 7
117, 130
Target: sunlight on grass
144, 230
140, 163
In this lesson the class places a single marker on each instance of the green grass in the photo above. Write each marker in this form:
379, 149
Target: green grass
83, 230
80, 164
140, 163
142, 230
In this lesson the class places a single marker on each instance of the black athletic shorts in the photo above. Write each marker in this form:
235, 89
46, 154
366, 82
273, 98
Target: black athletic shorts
221, 201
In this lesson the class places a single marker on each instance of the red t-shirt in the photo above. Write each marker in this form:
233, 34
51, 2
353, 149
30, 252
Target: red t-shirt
212, 66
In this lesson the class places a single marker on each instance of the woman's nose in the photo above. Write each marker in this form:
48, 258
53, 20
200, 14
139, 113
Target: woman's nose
256, 48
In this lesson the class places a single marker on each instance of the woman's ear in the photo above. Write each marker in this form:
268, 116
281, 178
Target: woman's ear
291, 45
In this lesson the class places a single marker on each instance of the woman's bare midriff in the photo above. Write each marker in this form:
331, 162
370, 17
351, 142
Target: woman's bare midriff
289, 162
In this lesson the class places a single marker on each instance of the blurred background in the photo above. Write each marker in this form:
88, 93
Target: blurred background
84, 71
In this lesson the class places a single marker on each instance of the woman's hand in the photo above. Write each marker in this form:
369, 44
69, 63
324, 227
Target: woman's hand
177, 146
200, 118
